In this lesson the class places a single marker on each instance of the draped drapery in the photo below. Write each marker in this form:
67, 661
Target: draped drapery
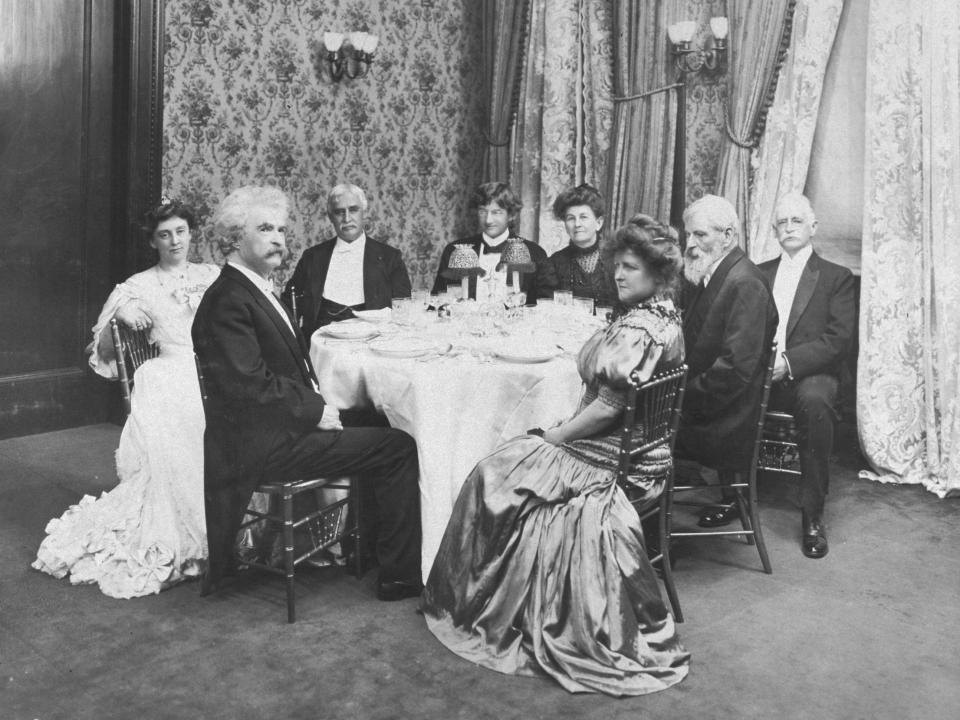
783, 157
564, 115
907, 384
502, 52
644, 128
757, 41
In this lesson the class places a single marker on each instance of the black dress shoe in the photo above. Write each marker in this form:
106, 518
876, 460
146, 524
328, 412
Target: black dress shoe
392, 590
719, 516
814, 542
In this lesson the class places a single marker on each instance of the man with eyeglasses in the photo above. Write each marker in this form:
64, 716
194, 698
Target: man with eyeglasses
817, 309
346, 273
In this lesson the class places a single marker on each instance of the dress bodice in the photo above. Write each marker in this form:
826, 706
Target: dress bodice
649, 339
170, 300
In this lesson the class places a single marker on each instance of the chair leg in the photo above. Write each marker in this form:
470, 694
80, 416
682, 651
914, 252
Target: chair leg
666, 562
287, 501
746, 516
755, 521
354, 499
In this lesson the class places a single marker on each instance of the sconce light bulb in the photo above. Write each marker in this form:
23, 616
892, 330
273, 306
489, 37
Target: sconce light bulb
356, 39
719, 27
332, 41
371, 44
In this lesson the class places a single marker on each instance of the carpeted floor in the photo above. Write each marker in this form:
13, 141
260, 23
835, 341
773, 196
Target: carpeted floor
870, 631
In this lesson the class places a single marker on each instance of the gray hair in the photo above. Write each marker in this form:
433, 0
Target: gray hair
802, 200
344, 189
230, 217
719, 212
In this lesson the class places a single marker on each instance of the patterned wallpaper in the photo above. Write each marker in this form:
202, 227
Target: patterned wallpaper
243, 104
706, 107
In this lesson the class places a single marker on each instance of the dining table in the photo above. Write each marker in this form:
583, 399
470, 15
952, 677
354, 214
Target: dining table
459, 378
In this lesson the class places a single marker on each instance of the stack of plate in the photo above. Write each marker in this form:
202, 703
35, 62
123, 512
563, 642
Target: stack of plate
349, 330
406, 347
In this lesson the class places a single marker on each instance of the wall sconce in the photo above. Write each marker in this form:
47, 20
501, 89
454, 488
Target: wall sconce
689, 59
347, 54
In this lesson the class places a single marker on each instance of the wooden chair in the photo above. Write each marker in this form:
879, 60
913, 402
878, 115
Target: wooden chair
133, 348
745, 491
779, 451
653, 407
325, 526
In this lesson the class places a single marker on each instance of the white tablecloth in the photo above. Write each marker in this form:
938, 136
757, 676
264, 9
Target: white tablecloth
458, 407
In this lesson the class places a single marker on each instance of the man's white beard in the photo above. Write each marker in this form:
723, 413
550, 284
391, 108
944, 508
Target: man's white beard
694, 269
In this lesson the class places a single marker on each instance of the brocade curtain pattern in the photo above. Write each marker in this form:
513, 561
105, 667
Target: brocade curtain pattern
756, 33
502, 51
565, 112
783, 158
644, 129
907, 385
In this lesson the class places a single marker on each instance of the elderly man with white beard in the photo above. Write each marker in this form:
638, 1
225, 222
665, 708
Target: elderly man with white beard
728, 327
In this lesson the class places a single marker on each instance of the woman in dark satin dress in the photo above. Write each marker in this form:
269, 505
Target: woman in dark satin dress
542, 569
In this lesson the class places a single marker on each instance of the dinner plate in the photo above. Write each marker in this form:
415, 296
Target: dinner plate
349, 330
402, 348
528, 355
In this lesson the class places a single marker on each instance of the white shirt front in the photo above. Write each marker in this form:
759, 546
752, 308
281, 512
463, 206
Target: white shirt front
785, 289
267, 288
494, 283
344, 282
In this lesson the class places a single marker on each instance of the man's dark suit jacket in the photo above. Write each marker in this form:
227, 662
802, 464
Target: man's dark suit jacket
384, 278
528, 281
822, 318
259, 383
728, 330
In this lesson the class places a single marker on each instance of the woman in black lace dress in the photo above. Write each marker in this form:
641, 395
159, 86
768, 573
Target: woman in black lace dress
582, 266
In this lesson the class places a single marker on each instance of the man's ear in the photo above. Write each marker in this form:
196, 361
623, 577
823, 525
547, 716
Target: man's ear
729, 238
813, 228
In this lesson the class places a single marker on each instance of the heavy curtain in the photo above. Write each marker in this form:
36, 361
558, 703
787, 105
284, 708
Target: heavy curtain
502, 51
644, 128
564, 116
783, 157
756, 46
910, 339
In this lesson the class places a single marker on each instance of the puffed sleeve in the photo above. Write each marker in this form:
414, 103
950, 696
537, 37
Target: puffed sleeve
131, 290
632, 343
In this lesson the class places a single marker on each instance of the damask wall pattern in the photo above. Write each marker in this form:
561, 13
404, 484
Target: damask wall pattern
706, 108
243, 104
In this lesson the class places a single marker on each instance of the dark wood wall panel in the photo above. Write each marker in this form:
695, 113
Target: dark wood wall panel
71, 79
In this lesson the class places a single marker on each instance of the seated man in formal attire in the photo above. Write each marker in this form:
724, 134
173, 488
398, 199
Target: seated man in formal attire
265, 418
728, 327
497, 207
346, 273
817, 309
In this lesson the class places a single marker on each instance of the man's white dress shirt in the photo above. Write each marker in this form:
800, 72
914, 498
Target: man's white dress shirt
267, 288
344, 282
494, 283
785, 289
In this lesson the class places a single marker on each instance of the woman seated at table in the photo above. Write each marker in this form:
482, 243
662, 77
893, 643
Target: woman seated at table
581, 267
148, 532
542, 569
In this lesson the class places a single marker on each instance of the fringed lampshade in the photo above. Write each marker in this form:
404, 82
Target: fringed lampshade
516, 256
463, 263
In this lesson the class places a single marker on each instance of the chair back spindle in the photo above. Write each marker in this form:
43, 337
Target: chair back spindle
133, 348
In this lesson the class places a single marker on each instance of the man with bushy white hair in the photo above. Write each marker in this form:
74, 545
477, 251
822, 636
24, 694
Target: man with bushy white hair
728, 328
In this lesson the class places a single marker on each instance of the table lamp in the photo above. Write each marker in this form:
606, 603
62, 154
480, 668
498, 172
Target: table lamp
463, 264
516, 257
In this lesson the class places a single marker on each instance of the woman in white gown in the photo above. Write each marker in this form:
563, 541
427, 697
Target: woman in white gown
149, 531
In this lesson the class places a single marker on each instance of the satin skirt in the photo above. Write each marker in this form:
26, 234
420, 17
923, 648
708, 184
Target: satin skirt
542, 571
